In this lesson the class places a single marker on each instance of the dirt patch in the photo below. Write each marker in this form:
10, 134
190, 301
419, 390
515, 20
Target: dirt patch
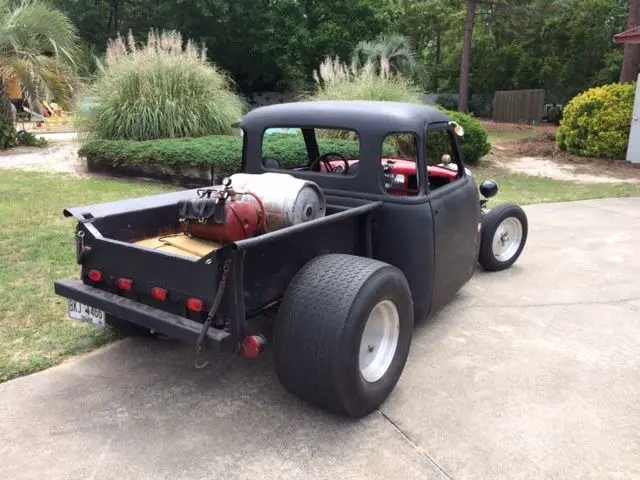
544, 167
540, 156
62, 157
492, 126
543, 145
58, 157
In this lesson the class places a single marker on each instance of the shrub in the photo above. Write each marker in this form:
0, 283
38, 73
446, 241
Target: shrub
160, 90
554, 115
222, 152
7, 128
28, 139
337, 81
596, 123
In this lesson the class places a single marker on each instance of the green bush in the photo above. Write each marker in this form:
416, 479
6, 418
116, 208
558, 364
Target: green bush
160, 90
222, 152
28, 139
337, 81
7, 128
596, 123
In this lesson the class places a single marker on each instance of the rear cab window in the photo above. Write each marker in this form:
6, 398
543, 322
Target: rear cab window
321, 150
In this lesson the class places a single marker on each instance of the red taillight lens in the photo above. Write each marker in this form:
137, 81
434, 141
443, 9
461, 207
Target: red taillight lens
95, 276
125, 284
195, 305
159, 294
253, 346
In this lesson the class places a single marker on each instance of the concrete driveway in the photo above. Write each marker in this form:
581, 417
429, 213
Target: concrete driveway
531, 373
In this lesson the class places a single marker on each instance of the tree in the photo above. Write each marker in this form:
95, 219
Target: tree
465, 63
563, 46
395, 49
37, 47
631, 59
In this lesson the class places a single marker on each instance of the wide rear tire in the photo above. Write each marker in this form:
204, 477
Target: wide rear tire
343, 333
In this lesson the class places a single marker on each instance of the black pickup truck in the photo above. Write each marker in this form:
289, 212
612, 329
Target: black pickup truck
338, 256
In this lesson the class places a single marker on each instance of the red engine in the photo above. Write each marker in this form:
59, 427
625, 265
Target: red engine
400, 175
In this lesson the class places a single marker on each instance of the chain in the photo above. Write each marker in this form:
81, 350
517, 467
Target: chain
214, 306
82, 249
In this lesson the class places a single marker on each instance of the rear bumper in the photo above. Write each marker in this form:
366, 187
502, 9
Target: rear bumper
173, 326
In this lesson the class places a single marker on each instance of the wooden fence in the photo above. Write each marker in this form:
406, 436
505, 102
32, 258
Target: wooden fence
517, 106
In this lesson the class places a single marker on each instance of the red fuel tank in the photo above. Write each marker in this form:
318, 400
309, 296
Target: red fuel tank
241, 221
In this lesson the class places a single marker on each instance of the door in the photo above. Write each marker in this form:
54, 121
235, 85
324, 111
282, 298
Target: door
455, 210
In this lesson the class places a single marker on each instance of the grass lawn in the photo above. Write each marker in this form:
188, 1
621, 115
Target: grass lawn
36, 248
525, 189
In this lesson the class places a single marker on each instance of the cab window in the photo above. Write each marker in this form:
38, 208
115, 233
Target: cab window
443, 163
328, 151
399, 164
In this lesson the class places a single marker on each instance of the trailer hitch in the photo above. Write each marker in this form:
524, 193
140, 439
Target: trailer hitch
214, 306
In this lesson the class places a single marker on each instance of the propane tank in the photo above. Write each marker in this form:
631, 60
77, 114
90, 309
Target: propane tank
241, 219
287, 200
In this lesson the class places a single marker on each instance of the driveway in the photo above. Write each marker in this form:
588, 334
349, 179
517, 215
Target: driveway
531, 373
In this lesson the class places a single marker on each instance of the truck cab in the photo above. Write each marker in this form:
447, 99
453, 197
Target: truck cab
426, 206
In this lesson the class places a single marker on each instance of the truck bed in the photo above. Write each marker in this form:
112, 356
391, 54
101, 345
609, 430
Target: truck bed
141, 240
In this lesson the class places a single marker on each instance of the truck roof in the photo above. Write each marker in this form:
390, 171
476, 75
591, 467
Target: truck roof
347, 114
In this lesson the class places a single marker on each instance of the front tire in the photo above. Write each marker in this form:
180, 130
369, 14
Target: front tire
343, 333
504, 233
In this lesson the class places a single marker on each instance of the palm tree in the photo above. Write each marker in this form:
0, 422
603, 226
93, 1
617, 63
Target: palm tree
397, 49
38, 44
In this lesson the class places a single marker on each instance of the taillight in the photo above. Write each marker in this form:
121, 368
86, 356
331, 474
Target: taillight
195, 305
125, 284
253, 346
159, 294
96, 276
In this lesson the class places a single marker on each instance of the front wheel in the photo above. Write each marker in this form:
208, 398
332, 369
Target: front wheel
504, 234
343, 333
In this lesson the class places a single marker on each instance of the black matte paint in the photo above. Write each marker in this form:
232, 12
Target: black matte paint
431, 237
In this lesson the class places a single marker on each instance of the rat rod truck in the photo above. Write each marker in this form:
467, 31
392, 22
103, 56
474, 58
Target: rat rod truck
328, 262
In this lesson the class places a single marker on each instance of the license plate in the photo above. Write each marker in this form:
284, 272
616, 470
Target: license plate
85, 313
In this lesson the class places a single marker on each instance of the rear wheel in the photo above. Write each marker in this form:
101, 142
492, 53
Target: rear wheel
504, 234
343, 333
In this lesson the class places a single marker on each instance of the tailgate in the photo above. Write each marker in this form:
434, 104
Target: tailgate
120, 240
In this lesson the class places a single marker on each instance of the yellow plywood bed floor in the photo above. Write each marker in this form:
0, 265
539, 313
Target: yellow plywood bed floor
180, 244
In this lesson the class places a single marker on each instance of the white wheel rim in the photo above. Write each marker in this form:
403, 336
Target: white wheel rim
507, 239
379, 341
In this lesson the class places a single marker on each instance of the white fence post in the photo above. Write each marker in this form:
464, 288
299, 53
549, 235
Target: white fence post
633, 149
